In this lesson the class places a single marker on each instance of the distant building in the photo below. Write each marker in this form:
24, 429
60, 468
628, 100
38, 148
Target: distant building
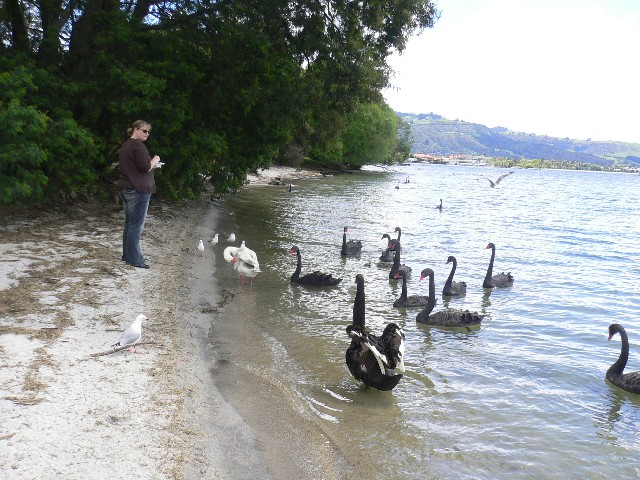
458, 159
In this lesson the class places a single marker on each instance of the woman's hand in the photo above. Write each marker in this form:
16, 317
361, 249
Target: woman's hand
154, 162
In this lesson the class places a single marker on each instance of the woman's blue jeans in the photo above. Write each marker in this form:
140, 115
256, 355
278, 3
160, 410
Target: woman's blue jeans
135, 213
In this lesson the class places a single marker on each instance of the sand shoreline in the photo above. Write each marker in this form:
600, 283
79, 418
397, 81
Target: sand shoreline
64, 295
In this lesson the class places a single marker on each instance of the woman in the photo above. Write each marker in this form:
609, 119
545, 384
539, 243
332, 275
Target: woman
136, 184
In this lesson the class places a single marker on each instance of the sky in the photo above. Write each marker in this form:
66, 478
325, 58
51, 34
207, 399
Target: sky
563, 68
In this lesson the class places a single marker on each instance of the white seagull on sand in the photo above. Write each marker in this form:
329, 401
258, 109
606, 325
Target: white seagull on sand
200, 248
231, 238
214, 240
132, 335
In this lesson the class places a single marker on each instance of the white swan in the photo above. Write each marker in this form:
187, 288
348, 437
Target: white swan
245, 261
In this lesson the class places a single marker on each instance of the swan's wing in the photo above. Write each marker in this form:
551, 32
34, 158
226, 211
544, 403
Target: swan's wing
380, 358
400, 365
502, 176
247, 268
248, 256
395, 345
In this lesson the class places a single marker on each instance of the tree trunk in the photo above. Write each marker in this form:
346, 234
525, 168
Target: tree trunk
80, 46
50, 16
19, 35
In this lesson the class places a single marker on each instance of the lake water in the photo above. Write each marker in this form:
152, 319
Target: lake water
521, 396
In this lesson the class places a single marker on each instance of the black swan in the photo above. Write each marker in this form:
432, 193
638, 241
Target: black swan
404, 300
313, 278
395, 246
399, 230
444, 318
498, 180
439, 207
451, 288
373, 360
500, 280
352, 247
626, 381
387, 255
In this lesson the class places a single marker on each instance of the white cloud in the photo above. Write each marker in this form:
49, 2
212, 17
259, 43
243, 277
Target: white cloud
566, 69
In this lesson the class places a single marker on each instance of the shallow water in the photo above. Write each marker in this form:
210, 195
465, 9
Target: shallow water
524, 394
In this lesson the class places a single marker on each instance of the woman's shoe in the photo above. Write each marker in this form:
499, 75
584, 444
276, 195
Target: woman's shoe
139, 265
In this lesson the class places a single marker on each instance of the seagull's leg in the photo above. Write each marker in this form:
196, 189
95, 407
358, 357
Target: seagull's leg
241, 280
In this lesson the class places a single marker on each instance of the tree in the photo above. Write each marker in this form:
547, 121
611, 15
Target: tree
228, 85
371, 135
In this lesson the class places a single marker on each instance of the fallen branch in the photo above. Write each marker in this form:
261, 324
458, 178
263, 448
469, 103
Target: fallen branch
117, 349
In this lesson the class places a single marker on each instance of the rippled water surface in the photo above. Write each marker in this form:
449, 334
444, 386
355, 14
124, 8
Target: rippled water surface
521, 396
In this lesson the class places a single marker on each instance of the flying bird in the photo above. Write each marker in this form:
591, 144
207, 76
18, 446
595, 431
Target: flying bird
200, 249
499, 179
132, 335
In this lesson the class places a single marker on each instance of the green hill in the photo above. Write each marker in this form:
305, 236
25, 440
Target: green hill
436, 135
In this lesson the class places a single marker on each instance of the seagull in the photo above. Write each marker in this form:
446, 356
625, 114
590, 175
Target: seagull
214, 240
231, 238
200, 249
132, 335
498, 180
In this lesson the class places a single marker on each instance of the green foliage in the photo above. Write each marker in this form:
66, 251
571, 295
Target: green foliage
405, 141
21, 129
371, 135
72, 159
40, 157
228, 87
539, 163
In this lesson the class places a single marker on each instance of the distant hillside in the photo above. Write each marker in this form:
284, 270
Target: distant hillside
433, 134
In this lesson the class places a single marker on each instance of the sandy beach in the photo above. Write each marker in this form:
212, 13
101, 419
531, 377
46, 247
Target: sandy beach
72, 407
